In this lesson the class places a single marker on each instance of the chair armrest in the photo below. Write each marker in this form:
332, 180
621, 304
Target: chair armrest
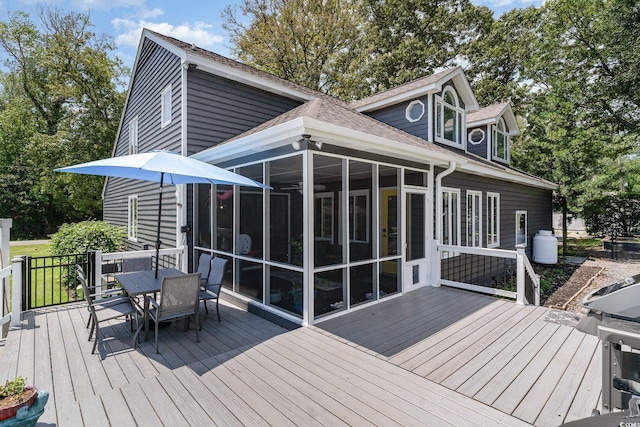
153, 302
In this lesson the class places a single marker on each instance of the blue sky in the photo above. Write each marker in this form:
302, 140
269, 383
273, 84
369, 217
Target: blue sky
194, 21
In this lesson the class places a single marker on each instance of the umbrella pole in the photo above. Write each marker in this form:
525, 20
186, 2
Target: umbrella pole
158, 242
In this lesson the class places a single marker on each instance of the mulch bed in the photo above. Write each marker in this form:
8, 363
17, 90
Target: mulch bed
566, 284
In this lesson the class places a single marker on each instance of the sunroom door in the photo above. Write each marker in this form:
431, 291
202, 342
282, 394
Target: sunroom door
416, 226
389, 227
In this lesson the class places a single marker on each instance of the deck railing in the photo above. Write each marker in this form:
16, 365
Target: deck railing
491, 271
47, 281
5, 314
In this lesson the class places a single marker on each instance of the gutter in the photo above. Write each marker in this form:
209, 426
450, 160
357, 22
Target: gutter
444, 173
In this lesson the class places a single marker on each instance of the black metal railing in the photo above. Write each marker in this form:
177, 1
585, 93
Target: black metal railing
51, 280
480, 270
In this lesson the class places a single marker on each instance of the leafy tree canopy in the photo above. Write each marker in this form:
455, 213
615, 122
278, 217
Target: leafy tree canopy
60, 103
310, 42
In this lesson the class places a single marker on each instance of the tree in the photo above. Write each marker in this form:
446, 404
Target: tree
61, 104
579, 120
500, 53
411, 38
614, 215
311, 42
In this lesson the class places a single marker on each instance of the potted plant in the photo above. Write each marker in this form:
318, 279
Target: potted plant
20, 405
296, 295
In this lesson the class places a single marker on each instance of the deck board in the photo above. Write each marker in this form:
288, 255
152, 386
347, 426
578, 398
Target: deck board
139, 406
556, 407
497, 353
117, 409
471, 366
590, 390
436, 356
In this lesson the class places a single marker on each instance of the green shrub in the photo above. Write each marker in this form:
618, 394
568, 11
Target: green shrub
12, 388
87, 236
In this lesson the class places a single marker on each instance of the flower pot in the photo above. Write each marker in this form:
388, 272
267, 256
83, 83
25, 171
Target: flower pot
275, 296
296, 295
27, 399
27, 416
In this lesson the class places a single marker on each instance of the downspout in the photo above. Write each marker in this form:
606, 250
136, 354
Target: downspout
181, 190
434, 256
444, 173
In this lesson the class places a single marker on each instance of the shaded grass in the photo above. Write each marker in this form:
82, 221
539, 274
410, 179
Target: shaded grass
46, 280
580, 247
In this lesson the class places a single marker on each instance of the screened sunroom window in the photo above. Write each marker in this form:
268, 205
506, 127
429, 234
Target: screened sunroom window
500, 142
449, 119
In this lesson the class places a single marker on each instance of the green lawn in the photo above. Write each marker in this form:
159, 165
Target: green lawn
30, 250
45, 289
579, 247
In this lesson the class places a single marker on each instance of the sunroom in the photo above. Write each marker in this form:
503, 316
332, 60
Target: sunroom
348, 221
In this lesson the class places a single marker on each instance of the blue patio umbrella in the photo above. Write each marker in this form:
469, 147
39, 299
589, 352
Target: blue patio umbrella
161, 166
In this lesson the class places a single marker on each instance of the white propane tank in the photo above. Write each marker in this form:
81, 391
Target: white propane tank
545, 248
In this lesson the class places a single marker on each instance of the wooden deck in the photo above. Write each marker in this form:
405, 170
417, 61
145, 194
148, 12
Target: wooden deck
491, 350
433, 357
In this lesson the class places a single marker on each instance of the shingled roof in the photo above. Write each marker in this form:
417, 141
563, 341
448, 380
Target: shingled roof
407, 87
486, 113
339, 113
239, 66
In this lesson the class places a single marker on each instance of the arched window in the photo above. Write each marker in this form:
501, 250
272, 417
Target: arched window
500, 141
450, 122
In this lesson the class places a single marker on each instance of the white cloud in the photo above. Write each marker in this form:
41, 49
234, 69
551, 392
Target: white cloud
198, 33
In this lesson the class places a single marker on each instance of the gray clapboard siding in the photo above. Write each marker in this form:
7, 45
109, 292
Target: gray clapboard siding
395, 116
155, 69
481, 148
219, 109
513, 197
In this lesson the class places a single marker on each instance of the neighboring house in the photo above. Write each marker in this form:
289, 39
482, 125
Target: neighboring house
389, 174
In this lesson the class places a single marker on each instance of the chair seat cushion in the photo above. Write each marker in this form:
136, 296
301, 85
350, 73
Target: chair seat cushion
208, 294
114, 311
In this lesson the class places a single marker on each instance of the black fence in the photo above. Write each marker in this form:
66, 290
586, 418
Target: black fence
481, 270
51, 280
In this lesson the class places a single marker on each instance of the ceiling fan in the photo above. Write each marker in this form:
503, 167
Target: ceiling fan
298, 186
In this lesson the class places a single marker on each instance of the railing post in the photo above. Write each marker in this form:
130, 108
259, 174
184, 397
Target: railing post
5, 239
16, 300
97, 270
520, 274
434, 256
184, 258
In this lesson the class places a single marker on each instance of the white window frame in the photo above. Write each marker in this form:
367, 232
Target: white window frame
132, 218
472, 141
474, 218
493, 206
322, 197
165, 107
460, 131
526, 227
133, 136
409, 110
447, 220
352, 219
494, 142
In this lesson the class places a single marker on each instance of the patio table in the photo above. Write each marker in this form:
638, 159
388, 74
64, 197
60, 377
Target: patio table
144, 283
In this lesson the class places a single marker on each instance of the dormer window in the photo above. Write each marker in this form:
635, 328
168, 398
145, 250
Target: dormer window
449, 119
500, 140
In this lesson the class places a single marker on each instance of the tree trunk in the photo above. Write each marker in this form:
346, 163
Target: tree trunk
564, 227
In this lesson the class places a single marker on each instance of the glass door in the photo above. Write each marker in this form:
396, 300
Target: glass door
416, 226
